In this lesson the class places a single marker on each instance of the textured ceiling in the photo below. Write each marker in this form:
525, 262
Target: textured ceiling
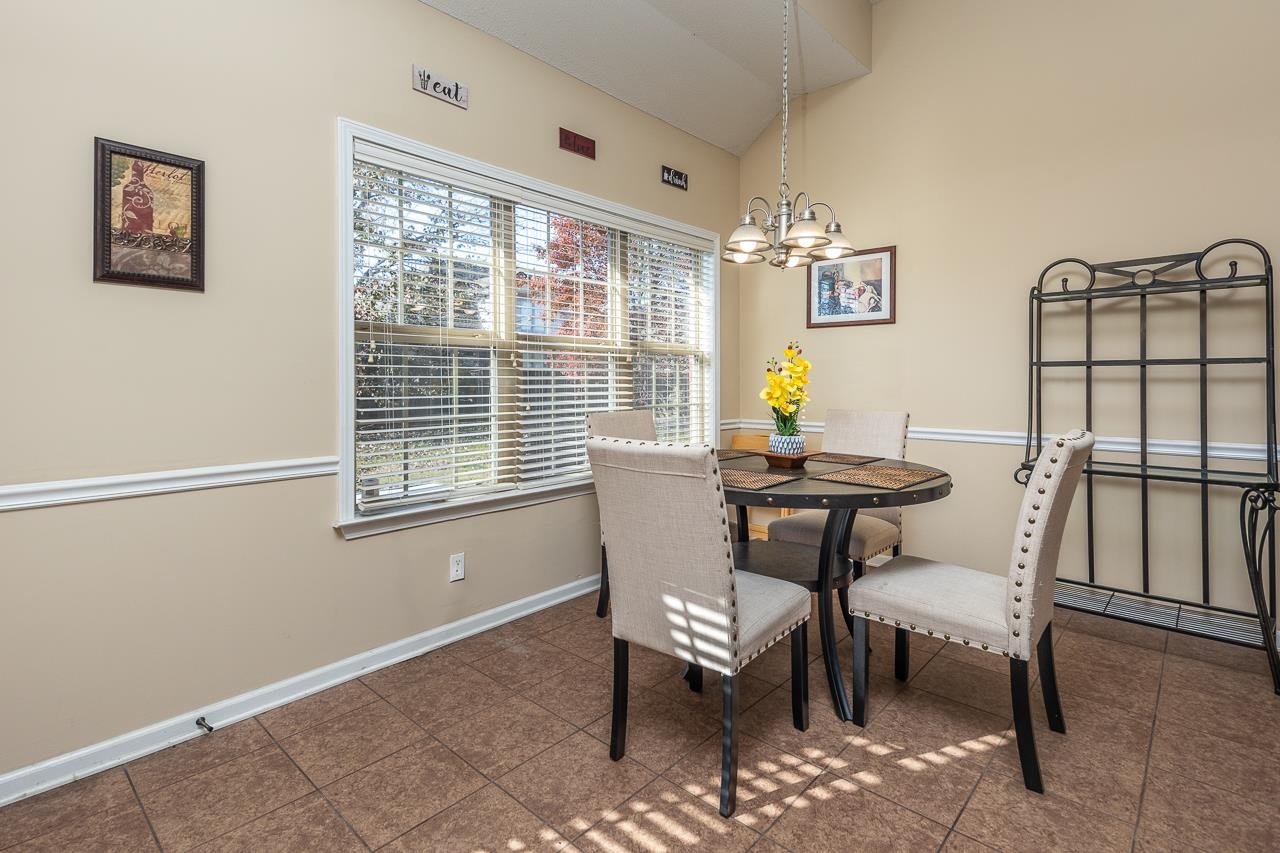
712, 68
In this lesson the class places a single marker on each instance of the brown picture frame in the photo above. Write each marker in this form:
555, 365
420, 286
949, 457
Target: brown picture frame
860, 290
148, 217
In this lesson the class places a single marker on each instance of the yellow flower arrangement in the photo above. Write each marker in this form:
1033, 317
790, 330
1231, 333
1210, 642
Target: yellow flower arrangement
785, 388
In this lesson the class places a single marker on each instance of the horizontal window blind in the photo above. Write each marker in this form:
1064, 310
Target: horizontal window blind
490, 319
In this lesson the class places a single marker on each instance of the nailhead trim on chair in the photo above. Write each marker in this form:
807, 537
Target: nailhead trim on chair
986, 647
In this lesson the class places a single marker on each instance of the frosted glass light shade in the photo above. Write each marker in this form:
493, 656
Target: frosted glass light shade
742, 257
747, 237
839, 247
805, 234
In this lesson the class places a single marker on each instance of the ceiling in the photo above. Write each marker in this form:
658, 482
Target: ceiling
712, 68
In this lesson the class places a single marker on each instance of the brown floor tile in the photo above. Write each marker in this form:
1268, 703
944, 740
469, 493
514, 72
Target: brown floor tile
1118, 674
1003, 814
1147, 841
358, 738
574, 784
579, 695
504, 736
315, 709
1245, 687
308, 825
526, 664
1061, 619
827, 736
390, 797
710, 701
646, 667
67, 804
768, 778
1222, 654
445, 698
554, 617
410, 673
957, 843
1255, 723
209, 804
934, 729
1119, 631
1217, 761
488, 821
122, 829
583, 604
930, 784
664, 817
1206, 817
835, 814
774, 666
489, 642
586, 638
196, 755
1100, 762
975, 656
660, 731
970, 685
764, 845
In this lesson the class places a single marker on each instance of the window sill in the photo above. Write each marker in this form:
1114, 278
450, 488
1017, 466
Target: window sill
372, 525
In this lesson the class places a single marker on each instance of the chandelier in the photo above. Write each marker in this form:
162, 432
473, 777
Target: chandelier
791, 231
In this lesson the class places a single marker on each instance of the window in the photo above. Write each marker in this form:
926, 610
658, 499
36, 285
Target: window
486, 315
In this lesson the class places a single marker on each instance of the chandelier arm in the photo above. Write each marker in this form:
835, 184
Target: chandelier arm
829, 208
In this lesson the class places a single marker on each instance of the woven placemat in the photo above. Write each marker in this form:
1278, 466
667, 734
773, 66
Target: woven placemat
845, 458
736, 479
879, 476
732, 454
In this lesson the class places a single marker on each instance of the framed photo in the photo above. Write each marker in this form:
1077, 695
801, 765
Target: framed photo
148, 217
854, 291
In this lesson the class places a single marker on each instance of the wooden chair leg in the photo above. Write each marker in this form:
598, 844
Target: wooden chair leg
800, 677
618, 737
1049, 681
602, 602
1018, 679
901, 653
860, 671
729, 747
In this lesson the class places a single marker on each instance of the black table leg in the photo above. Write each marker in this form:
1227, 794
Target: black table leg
744, 529
835, 547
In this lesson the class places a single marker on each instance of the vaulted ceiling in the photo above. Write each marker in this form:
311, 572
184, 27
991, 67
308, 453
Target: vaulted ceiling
712, 68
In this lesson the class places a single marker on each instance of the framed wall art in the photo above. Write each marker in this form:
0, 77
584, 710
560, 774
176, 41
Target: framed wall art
856, 291
148, 217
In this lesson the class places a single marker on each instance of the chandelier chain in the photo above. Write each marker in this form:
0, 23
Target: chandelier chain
786, 10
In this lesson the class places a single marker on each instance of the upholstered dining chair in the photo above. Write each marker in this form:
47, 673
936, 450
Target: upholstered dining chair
678, 593
621, 423
875, 530
1005, 614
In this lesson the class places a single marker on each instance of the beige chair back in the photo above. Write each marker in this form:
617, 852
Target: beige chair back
671, 577
623, 423
882, 434
1033, 568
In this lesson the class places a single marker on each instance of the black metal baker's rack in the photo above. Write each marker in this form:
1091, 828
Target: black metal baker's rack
1141, 280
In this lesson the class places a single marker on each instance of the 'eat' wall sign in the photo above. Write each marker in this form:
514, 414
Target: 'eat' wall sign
577, 143
450, 91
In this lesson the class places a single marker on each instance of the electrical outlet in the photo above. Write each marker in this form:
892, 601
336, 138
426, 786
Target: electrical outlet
457, 567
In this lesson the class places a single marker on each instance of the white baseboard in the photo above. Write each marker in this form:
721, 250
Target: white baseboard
52, 772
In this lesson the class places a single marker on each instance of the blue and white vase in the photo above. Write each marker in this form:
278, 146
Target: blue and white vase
788, 444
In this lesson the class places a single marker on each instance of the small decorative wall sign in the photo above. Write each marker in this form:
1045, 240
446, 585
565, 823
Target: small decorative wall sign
578, 144
855, 291
675, 178
449, 91
148, 217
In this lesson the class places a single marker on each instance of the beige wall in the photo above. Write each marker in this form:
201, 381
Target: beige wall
117, 615
992, 137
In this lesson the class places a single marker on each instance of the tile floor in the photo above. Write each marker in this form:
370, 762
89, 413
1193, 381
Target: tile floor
498, 743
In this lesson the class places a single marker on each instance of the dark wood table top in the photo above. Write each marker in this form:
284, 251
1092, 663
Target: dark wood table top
807, 493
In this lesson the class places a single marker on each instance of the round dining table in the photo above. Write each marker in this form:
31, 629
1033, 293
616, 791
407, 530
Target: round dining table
830, 567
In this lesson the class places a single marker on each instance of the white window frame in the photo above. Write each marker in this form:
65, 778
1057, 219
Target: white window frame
349, 523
